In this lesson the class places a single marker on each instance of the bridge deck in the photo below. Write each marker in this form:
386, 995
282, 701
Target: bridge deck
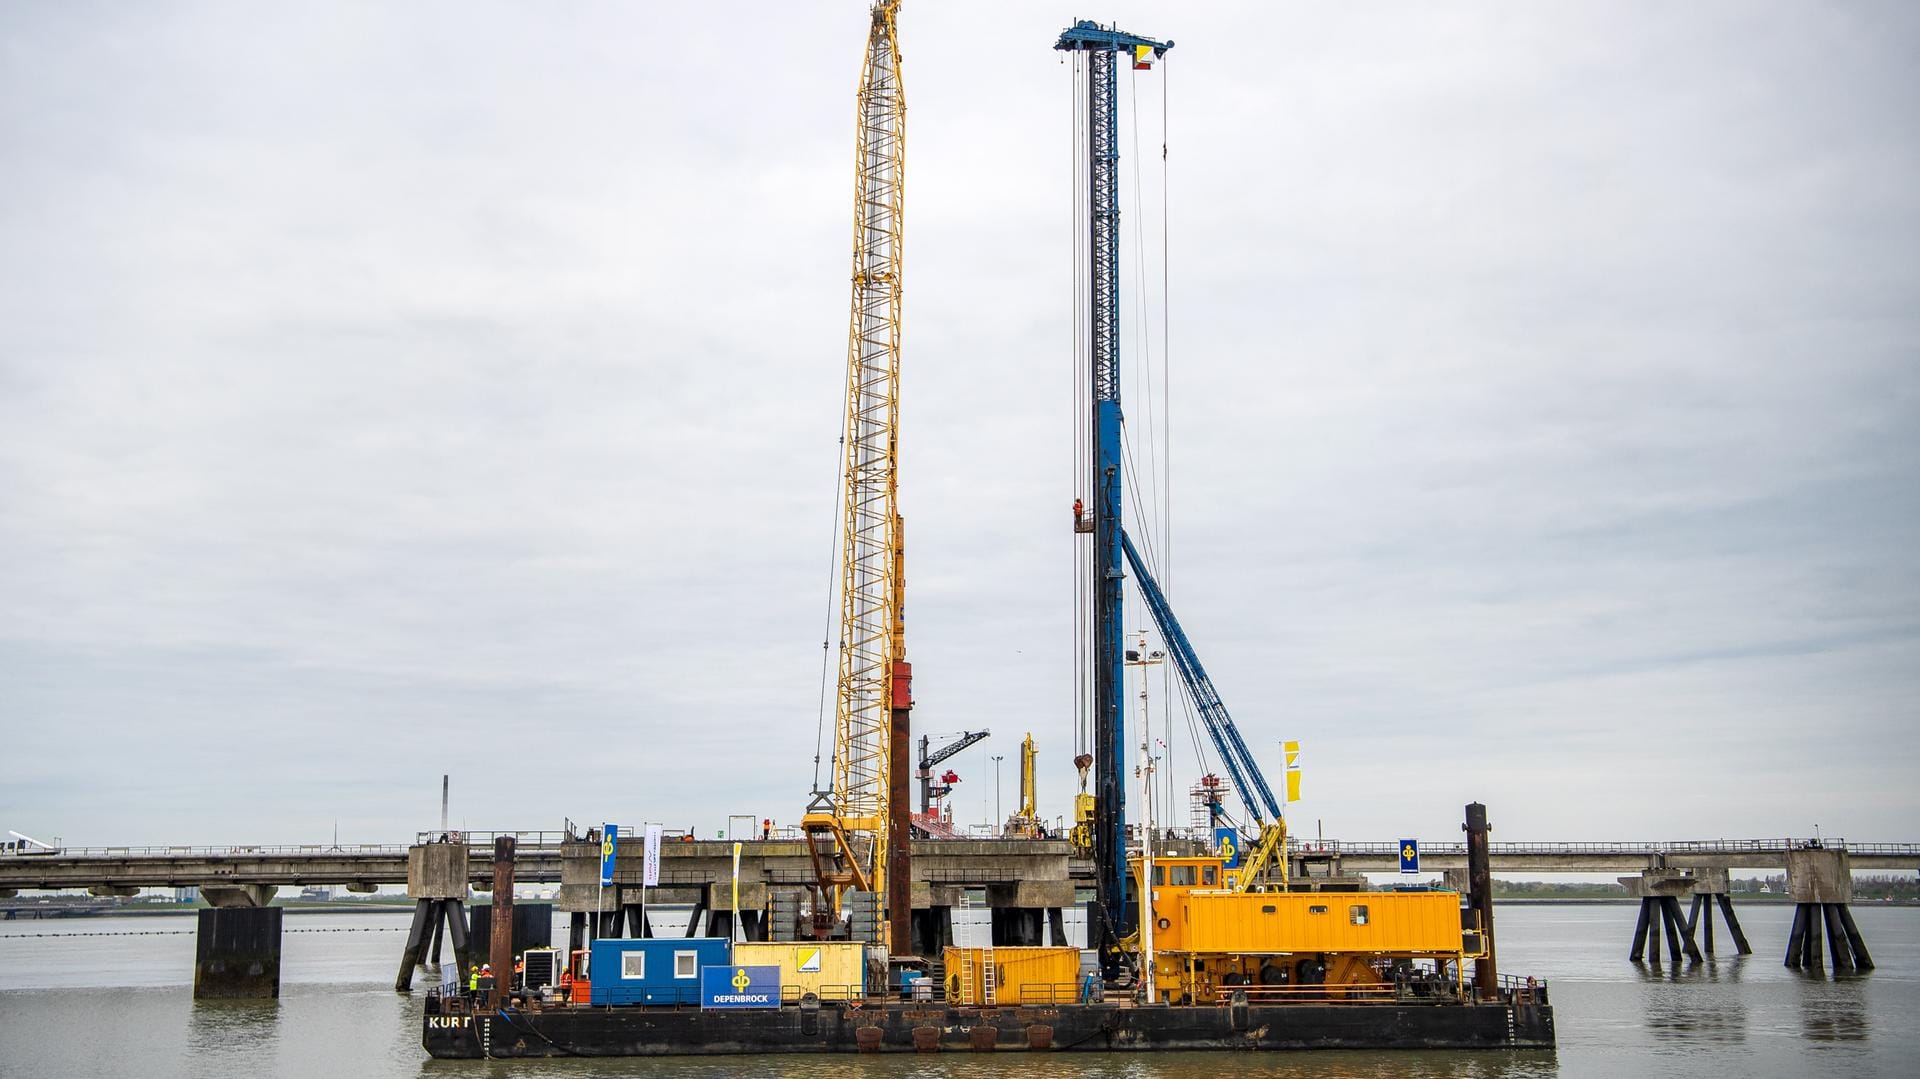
540, 859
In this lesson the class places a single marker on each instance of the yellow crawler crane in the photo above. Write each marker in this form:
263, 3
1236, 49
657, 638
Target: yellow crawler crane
1211, 940
850, 829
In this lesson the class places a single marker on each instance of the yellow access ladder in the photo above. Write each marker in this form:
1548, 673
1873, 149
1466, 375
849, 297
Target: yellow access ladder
988, 982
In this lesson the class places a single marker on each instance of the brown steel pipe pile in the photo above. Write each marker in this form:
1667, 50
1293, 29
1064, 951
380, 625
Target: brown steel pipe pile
501, 951
1486, 979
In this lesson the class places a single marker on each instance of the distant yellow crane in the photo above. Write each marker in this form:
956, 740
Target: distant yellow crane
851, 831
1026, 821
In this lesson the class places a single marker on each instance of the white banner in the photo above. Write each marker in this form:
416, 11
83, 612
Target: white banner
651, 876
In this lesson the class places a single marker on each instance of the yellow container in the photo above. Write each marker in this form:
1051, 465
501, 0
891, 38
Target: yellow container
1380, 923
830, 970
1020, 975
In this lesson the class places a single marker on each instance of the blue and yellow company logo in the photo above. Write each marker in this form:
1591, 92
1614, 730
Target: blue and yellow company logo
741, 981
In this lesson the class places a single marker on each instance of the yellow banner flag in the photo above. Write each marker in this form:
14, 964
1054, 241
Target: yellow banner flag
1292, 750
1293, 784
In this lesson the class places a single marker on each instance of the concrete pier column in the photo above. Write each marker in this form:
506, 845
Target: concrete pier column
238, 954
1640, 930
437, 877
1820, 881
1659, 892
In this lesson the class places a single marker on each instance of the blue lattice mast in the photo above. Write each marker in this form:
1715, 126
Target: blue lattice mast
1103, 47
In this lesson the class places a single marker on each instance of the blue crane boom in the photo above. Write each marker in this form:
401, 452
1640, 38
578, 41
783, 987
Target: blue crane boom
1247, 777
1102, 46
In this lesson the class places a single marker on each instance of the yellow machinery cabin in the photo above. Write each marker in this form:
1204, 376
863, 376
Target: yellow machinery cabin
1210, 939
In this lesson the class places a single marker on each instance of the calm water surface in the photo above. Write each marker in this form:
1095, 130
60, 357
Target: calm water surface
119, 1001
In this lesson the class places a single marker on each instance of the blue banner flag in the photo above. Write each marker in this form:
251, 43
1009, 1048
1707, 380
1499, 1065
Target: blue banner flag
1409, 856
739, 987
609, 849
1227, 842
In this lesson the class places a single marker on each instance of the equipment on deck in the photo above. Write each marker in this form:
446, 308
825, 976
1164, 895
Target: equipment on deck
1103, 47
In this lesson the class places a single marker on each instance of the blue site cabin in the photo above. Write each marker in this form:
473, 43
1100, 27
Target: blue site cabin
655, 970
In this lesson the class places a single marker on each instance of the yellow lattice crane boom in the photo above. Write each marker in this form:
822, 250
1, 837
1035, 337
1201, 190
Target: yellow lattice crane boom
847, 828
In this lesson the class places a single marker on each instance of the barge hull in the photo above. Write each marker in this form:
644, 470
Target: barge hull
643, 1031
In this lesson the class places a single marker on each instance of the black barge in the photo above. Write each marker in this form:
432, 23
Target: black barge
1519, 1016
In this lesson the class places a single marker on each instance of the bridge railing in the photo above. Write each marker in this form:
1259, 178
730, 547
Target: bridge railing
1900, 849
242, 850
529, 842
534, 840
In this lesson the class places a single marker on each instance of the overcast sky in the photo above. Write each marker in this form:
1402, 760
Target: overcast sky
389, 390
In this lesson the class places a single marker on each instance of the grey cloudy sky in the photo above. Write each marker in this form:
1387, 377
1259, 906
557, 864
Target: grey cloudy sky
397, 389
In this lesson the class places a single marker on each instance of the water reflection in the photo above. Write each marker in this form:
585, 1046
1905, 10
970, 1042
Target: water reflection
218, 1022
1710, 971
1699, 1020
241, 1037
1681, 1006
1834, 1011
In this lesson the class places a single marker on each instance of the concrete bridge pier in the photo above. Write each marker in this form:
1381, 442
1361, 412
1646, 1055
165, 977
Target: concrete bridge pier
437, 882
1821, 884
1659, 891
237, 954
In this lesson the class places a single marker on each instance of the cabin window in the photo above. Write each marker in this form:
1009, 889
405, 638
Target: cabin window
633, 964
686, 964
1206, 875
1357, 914
1181, 876
1159, 875
1316, 909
